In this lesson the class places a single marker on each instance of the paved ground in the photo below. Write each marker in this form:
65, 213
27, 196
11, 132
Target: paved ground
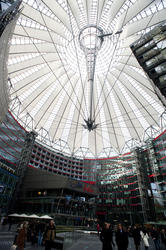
86, 242
92, 242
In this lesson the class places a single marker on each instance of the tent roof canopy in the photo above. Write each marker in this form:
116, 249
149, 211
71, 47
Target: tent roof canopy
82, 101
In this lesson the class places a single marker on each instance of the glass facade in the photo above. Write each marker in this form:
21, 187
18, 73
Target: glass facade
52, 161
158, 176
150, 51
8, 9
119, 188
126, 184
130, 187
7, 184
67, 206
12, 137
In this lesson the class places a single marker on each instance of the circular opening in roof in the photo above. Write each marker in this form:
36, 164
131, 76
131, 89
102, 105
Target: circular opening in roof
90, 38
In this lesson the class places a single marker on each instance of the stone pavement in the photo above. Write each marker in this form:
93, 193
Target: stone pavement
87, 241
92, 242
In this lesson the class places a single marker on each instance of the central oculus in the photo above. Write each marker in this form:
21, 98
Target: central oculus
90, 40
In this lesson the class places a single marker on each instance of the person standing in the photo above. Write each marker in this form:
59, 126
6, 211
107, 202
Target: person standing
121, 237
40, 228
106, 237
163, 236
21, 237
145, 238
10, 221
98, 228
137, 237
49, 236
155, 237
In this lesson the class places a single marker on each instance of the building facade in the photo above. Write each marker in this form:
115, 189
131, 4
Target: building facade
129, 187
69, 201
12, 137
150, 51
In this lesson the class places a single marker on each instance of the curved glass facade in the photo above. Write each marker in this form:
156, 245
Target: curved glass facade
125, 183
12, 137
126, 186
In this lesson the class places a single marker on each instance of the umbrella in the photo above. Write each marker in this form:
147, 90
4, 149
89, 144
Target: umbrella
14, 215
23, 215
46, 217
34, 216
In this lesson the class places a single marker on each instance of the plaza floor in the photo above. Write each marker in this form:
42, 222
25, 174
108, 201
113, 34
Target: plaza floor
87, 241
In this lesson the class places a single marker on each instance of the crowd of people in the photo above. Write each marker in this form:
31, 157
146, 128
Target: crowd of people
37, 233
40, 233
122, 234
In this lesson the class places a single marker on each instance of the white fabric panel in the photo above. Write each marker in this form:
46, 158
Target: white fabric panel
138, 77
144, 23
42, 19
118, 141
75, 10
31, 48
58, 11
136, 8
44, 114
129, 117
129, 40
34, 98
30, 12
129, 61
74, 102
33, 62
100, 9
76, 129
126, 52
98, 141
41, 34
25, 65
158, 17
57, 94
108, 110
85, 10
55, 132
140, 101
99, 136
116, 5
54, 27
50, 104
38, 92
29, 78
96, 103
88, 10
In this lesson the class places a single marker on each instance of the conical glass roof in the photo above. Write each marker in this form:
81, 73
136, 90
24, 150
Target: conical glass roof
78, 84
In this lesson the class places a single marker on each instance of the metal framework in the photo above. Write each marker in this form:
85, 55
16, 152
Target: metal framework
62, 146
22, 165
71, 66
